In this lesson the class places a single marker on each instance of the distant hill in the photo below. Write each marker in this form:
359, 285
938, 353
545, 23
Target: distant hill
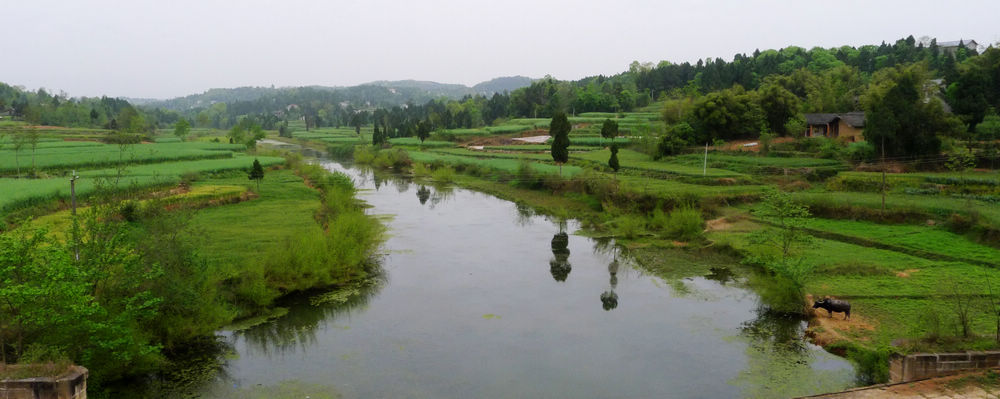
500, 85
381, 93
487, 88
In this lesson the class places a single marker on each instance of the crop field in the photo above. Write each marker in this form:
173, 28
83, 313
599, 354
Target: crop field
686, 191
918, 237
533, 148
752, 163
938, 206
65, 155
505, 165
415, 142
25, 192
635, 160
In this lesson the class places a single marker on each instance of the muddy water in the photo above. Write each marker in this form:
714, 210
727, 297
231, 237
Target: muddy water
483, 299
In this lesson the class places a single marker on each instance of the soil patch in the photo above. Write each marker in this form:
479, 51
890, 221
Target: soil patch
824, 330
720, 224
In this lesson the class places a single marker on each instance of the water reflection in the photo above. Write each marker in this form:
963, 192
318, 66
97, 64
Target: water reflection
721, 274
297, 329
609, 299
559, 266
423, 194
780, 362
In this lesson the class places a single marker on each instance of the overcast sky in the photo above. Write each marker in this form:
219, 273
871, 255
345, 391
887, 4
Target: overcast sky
169, 48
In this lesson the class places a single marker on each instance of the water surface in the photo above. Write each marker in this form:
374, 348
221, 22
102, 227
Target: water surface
481, 298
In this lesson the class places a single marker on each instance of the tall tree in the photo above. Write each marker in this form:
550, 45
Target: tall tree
256, 172
609, 129
423, 131
613, 161
559, 129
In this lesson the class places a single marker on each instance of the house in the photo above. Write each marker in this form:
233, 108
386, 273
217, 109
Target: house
951, 47
848, 125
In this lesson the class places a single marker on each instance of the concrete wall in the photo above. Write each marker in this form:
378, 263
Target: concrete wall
72, 385
925, 365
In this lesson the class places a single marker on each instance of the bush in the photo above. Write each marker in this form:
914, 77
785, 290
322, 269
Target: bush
444, 174
860, 152
685, 223
669, 145
364, 154
629, 226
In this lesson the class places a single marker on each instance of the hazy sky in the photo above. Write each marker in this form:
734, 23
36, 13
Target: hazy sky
171, 48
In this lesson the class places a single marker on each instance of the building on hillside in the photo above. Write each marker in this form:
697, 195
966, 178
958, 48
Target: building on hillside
951, 47
847, 126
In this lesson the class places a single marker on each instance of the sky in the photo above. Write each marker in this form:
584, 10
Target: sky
165, 49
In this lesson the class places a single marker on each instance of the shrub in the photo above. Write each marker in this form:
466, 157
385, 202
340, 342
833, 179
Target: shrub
421, 169
685, 223
444, 174
629, 226
364, 154
860, 152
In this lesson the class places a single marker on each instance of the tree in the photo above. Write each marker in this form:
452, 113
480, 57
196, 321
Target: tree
779, 105
609, 130
787, 234
613, 161
900, 117
284, 131
559, 129
423, 131
989, 128
182, 128
256, 172
237, 134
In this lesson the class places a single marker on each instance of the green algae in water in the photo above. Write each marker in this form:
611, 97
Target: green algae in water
250, 322
490, 316
289, 389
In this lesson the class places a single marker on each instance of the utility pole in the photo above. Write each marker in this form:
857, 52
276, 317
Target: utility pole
72, 194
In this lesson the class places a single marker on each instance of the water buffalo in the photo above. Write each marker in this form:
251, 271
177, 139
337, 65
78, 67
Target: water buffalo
834, 305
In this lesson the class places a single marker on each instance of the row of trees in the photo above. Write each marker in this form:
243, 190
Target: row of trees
43, 108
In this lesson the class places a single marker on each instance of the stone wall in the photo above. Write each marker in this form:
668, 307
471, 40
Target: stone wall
71, 385
925, 365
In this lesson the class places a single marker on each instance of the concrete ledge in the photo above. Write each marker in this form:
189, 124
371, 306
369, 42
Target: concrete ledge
919, 366
70, 385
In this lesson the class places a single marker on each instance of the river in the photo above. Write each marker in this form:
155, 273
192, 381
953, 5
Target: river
483, 299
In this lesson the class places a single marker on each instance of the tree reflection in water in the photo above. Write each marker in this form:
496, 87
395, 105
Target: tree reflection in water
559, 266
423, 193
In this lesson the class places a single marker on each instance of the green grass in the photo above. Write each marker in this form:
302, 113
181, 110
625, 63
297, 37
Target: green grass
415, 142
635, 160
685, 191
487, 154
533, 147
894, 291
78, 155
505, 165
25, 192
919, 237
937, 206
240, 232
754, 164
